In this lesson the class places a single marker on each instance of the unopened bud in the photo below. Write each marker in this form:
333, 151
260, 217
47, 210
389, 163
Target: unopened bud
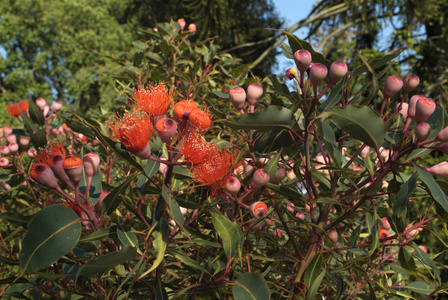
258, 210
411, 82
424, 109
338, 70
279, 175
404, 109
422, 131
392, 85
91, 161
412, 105
302, 58
11, 138
318, 72
442, 136
31, 152
333, 236
167, 130
73, 168
254, 92
440, 169
384, 233
237, 96
46, 110
4, 162
260, 178
232, 185
24, 141
300, 216
4, 150
13, 148
385, 223
192, 27
411, 233
181, 22
44, 175
57, 106
41, 103
7, 130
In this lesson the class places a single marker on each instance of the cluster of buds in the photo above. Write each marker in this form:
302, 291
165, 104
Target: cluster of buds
238, 96
181, 22
11, 146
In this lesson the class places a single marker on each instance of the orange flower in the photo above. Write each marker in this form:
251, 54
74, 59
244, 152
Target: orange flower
182, 109
200, 120
384, 233
48, 154
195, 149
154, 100
132, 130
15, 108
215, 170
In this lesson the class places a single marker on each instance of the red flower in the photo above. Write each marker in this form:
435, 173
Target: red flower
48, 154
154, 100
195, 149
200, 120
132, 130
15, 108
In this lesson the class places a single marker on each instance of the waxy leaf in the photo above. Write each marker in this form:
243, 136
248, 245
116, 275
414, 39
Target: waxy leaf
361, 123
53, 232
403, 194
436, 191
230, 234
313, 270
421, 287
111, 201
251, 286
35, 113
315, 286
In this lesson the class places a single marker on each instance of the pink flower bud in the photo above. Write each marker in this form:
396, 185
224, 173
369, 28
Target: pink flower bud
11, 138
291, 73
7, 130
318, 72
290, 207
277, 233
183, 211
167, 130
73, 168
411, 82
46, 110
24, 141
31, 152
424, 109
333, 236
258, 210
423, 248
300, 216
302, 58
13, 148
4, 162
385, 223
412, 105
365, 152
338, 70
422, 131
392, 85
181, 22
442, 136
41, 103
440, 169
4, 150
5, 185
57, 106
260, 178
411, 233
42, 174
237, 96
91, 161
404, 109
192, 27
232, 185
279, 175
254, 92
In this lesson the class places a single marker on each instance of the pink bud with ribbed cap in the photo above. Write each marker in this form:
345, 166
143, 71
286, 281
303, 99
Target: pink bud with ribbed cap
333, 236
260, 178
338, 70
258, 210
57, 106
302, 58
166, 130
40, 102
4, 162
318, 72
440, 169
411, 81
300, 216
4, 150
442, 136
237, 96
424, 109
385, 223
13, 148
31, 152
24, 141
7, 130
44, 175
254, 92
91, 161
412, 105
46, 110
73, 168
422, 131
392, 85
192, 27
232, 185
279, 175
11, 138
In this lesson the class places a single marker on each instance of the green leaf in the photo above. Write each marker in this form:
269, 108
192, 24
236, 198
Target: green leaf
315, 286
161, 292
374, 83
426, 259
230, 234
105, 233
251, 286
361, 123
376, 63
313, 270
436, 191
151, 168
287, 191
173, 206
108, 261
335, 95
421, 287
272, 165
403, 194
184, 259
126, 236
16, 219
273, 117
112, 200
279, 86
406, 260
39, 139
287, 52
417, 153
35, 113
53, 232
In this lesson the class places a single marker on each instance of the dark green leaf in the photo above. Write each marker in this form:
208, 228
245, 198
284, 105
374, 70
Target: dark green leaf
39, 139
421, 287
403, 194
315, 286
287, 52
426, 259
35, 113
376, 63
335, 95
16, 219
251, 286
406, 260
436, 191
105, 233
112, 200
173, 206
230, 234
313, 270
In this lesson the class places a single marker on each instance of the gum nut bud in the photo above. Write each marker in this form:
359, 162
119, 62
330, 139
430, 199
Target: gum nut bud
57, 106
385, 223
41, 103
392, 85
31, 152
318, 72
384, 233
258, 210
43, 174
260, 178
365, 152
424, 109
291, 175
91, 161
181, 22
73, 168
166, 130
155, 29
4, 150
442, 136
291, 73
279, 175
443, 147
254, 92
302, 58
237, 96
46, 110
277, 233
144, 153
192, 27
412, 105
248, 170
13, 148
300, 216
440, 169
11, 138
7, 130
333, 236
338, 70
232, 185
411, 81
5, 185
24, 141
183, 211
411, 233
290, 206
404, 109
4, 162
422, 131
423, 248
